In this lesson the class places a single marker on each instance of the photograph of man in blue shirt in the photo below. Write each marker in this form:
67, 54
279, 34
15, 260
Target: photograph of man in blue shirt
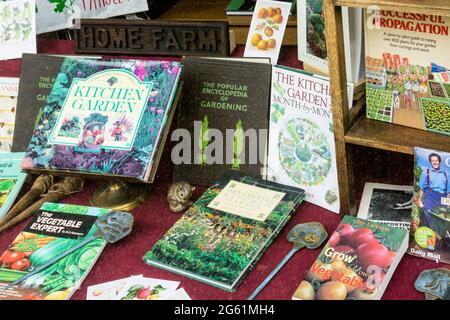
434, 186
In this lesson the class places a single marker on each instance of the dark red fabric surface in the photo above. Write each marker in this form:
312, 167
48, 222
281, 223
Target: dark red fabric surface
153, 218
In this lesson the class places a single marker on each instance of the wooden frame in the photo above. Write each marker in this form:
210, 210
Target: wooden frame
352, 127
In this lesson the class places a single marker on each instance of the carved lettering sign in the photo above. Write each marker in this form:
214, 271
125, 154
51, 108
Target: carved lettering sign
144, 37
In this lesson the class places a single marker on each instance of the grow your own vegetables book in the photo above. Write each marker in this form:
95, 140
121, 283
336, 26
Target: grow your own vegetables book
301, 141
53, 230
105, 118
357, 263
430, 230
11, 179
223, 234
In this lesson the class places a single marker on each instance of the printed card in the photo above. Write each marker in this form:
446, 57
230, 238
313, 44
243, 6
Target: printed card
267, 29
147, 289
8, 102
180, 294
246, 200
108, 290
17, 28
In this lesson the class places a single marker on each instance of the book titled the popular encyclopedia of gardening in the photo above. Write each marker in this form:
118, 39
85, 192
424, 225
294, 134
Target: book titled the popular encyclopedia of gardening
223, 234
357, 263
105, 118
54, 229
407, 69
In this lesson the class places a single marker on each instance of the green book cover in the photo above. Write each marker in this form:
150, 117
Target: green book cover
220, 247
54, 229
11, 179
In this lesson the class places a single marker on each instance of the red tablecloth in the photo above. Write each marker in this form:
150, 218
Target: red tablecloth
153, 218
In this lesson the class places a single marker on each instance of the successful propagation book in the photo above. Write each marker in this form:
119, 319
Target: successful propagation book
105, 118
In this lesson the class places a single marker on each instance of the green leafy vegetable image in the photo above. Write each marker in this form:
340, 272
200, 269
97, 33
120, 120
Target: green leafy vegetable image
203, 140
238, 144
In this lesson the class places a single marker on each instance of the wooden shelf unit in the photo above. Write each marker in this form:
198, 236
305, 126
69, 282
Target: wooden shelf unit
351, 127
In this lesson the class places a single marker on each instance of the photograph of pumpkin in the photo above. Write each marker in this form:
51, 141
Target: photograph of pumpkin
140, 292
304, 152
30, 250
271, 18
6, 185
341, 270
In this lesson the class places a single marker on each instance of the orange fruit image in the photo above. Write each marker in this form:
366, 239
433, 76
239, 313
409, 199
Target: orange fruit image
270, 11
262, 45
256, 38
268, 31
271, 43
262, 13
278, 10
278, 18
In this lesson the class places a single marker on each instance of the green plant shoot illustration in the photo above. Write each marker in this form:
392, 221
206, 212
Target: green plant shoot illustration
238, 144
203, 140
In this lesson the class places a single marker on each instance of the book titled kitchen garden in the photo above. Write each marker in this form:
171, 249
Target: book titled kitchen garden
407, 69
105, 118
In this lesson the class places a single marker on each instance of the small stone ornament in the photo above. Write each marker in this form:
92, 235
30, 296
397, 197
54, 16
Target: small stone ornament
179, 195
435, 283
115, 225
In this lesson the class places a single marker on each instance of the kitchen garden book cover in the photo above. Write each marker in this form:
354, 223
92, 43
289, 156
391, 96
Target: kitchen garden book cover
408, 80
430, 231
220, 247
104, 118
301, 142
54, 229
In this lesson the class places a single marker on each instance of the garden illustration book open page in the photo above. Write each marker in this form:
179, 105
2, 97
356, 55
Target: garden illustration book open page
105, 118
11, 179
301, 142
223, 234
54, 229
430, 231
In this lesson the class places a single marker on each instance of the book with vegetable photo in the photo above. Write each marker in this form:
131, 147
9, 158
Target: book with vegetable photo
430, 231
54, 229
357, 263
224, 233
105, 118
11, 179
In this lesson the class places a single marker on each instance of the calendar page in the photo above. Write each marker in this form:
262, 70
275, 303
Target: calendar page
247, 201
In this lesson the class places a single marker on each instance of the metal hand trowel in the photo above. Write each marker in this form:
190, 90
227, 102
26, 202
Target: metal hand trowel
113, 226
310, 235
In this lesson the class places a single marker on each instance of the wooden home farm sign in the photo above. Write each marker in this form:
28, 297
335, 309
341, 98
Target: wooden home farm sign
145, 37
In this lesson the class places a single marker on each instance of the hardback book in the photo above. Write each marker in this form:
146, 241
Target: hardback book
9, 88
430, 231
55, 228
357, 263
387, 204
301, 141
222, 119
312, 50
222, 235
11, 179
408, 81
105, 118
38, 73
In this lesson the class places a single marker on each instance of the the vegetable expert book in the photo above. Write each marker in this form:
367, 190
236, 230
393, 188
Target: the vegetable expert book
54, 229
11, 179
430, 230
357, 263
301, 141
222, 119
105, 118
223, 234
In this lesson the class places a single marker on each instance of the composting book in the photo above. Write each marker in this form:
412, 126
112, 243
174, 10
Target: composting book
55, 228
105, 118
11, 179
224, 233
407, 69
357, 263
222, 120
430, 215
301, 141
